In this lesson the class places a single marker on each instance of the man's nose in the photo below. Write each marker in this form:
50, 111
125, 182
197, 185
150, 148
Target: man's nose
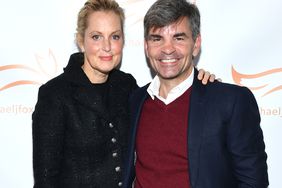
168, 47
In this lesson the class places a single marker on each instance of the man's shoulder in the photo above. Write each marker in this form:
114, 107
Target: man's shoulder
228, 90
228, 87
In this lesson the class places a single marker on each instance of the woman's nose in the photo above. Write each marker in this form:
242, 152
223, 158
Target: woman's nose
106, 45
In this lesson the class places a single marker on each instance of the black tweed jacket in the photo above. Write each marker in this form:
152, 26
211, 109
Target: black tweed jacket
78, 142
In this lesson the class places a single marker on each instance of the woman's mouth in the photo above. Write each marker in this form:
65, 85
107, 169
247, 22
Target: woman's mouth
106, 58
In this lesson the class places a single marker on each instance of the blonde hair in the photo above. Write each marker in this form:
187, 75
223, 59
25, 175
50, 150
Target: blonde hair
91, 6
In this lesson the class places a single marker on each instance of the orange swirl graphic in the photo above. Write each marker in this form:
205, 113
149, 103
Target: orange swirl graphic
41, 61
17, 83
237, 77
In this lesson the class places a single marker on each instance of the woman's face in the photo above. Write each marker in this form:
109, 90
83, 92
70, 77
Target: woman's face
102, 45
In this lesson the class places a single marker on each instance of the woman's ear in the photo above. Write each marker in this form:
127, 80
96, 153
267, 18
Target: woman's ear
79, 42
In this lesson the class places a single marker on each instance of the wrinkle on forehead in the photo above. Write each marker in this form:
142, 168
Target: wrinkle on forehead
170, 28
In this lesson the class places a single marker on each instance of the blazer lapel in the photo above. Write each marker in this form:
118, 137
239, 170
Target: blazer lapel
136, 104
195, 127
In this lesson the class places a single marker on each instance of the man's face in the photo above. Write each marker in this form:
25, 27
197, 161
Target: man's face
170, 50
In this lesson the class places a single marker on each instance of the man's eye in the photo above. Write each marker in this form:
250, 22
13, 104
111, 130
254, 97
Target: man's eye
155, 39
96, 37
179, 38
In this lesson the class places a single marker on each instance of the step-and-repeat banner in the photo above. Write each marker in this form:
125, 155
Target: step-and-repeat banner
241, 44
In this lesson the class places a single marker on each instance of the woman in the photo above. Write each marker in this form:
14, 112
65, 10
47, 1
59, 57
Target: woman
81, 118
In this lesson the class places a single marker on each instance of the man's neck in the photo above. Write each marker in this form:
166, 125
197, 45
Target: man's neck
166, 85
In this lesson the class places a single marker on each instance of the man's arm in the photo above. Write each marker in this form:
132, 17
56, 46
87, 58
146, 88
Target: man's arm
245, 142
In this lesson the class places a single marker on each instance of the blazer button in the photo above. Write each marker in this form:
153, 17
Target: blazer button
111, 125
114, 154
117, 169
114, 140
119, 184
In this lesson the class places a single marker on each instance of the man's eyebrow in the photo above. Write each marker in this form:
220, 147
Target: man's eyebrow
180, 35
154, 36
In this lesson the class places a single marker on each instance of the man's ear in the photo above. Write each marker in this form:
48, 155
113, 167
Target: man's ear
197, 46
146, 47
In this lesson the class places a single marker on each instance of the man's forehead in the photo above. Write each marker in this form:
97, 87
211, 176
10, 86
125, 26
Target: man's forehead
179, 26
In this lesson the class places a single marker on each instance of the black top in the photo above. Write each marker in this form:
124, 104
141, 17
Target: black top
101, 90
80, 129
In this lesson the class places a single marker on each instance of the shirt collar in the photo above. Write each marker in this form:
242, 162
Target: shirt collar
153, 89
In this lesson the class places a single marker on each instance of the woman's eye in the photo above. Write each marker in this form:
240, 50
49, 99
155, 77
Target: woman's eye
96, 37
116, 37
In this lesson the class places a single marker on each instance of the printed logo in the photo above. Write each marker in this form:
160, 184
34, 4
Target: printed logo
47, 68
263, 81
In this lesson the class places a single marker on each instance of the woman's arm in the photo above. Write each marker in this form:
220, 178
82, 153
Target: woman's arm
48, 137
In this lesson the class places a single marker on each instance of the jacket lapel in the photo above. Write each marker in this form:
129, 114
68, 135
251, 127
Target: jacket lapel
81, 86
136, 104
195, 127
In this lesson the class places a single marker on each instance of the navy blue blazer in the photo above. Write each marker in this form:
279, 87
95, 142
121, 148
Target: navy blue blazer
225, 140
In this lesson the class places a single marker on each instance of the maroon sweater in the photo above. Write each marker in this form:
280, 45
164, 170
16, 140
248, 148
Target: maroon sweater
161, 144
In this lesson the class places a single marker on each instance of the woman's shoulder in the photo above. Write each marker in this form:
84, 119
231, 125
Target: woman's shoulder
121, 77
56, 85
55, 82
116, 73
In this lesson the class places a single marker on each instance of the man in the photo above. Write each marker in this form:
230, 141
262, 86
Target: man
185, 134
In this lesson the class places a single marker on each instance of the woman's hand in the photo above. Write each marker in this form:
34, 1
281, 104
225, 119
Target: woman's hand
206, 77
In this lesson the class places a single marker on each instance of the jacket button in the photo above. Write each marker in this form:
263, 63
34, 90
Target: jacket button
114, 140
114, 154
117, 169
119, 184
111, 125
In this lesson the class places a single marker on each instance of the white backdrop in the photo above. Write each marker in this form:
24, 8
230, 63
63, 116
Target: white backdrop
242, 44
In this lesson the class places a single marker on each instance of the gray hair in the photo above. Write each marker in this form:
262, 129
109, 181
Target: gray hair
165, 12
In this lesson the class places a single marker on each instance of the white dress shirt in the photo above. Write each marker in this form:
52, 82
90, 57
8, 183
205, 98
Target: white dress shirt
173, 94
